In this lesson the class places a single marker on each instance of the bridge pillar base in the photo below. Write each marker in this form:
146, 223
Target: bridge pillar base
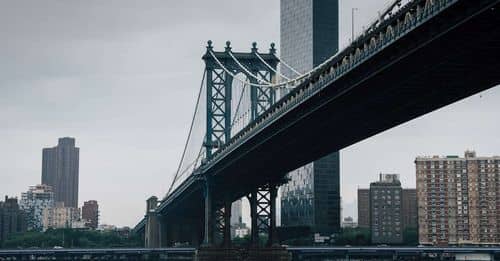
252, 254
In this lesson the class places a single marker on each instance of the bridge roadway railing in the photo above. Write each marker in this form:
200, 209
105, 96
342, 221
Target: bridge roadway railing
298, 253
397, 25
391, 253
99, 253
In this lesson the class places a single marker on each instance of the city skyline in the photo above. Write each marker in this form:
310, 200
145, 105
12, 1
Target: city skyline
131, 123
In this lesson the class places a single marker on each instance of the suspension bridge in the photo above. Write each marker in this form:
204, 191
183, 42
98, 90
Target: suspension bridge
253, 124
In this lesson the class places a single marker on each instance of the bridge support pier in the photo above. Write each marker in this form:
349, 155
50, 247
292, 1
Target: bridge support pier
209, 225
263, 214
254, 235
227, 223
151, 235
273, 191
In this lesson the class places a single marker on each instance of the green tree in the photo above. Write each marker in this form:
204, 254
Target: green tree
354, 237
70, 238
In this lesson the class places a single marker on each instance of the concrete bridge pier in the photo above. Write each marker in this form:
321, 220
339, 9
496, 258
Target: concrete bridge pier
272, 240
151, 235
227, 223
209, 224
254, 233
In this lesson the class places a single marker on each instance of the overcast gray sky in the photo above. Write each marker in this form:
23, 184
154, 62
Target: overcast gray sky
121, 77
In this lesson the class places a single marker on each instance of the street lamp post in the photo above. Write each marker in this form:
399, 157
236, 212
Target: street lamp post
352, 23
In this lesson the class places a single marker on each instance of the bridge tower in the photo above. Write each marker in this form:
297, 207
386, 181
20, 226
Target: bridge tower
221, 68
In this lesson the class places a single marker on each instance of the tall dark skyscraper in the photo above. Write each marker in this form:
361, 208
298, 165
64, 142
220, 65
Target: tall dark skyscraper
309, 36
60, 170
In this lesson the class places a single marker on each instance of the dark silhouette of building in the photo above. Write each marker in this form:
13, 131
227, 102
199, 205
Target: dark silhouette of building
409, 208
309, 35
12, 218
363, 208
60, 170
90, 214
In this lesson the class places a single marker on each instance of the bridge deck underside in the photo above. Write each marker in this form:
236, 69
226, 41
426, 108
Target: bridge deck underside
433, 66
450, 57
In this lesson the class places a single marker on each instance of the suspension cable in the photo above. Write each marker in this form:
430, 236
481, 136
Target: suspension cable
246, 70
238, 106
189, 133
288, 66
282, 84
270, 67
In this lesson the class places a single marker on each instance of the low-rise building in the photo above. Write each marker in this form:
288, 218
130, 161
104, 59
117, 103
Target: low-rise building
60, 216
106, 227
349, 222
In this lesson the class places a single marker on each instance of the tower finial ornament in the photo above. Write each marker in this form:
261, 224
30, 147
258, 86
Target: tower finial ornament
272, 50
254, 47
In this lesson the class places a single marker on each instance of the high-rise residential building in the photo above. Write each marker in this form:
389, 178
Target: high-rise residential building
60, 171
90, 214
458, 199
12, 218
33, 202
386, 222
309, 36
363, 208
60, 216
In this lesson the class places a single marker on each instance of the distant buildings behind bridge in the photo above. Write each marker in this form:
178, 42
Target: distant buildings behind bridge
387, 210
458, 199
309, 35
12, 218
54, 202
60, 170
456, 202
